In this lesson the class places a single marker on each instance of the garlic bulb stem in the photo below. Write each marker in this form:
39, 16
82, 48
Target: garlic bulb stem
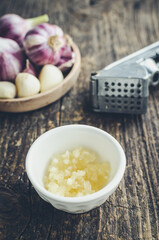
37, 20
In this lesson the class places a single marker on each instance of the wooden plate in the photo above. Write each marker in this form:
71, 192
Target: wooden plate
43, 99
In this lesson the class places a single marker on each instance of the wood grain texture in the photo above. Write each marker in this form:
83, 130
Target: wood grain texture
104, 31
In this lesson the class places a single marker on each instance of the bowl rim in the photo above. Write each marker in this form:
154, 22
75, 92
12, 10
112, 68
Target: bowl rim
87, 198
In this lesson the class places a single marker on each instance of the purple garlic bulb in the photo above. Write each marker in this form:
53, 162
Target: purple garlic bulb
44, 44
15, 27
11, 59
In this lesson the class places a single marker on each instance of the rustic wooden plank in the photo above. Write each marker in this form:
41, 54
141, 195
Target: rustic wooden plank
104, 31
132, 209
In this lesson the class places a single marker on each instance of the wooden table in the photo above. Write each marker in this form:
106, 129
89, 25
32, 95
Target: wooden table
104, 31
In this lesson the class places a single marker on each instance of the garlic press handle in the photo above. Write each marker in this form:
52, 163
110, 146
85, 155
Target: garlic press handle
147, 57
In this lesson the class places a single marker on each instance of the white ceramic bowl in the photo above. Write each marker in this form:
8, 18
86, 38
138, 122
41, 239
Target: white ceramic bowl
65, 138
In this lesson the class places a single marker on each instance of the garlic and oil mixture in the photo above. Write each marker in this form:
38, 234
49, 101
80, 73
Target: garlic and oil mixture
76, 173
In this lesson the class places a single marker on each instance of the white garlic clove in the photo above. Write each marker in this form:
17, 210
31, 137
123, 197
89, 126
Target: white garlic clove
27, 85
7, 90
50, 76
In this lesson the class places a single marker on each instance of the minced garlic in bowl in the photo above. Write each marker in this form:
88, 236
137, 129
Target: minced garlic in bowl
76, 173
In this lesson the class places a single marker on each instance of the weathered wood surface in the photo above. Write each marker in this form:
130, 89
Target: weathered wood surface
104, 31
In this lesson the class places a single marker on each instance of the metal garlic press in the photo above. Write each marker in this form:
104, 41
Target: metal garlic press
123, 86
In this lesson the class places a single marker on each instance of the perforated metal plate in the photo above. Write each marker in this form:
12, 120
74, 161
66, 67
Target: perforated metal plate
120, 95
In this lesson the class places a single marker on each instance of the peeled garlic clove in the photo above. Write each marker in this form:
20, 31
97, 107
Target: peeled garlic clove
7, 90
27, 85
50, 76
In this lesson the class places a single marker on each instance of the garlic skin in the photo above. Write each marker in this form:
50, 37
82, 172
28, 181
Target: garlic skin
27, 85
67, 58
11, 59
15, 27
50, 76
43, 44
29, 68
7, 90
65, 65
